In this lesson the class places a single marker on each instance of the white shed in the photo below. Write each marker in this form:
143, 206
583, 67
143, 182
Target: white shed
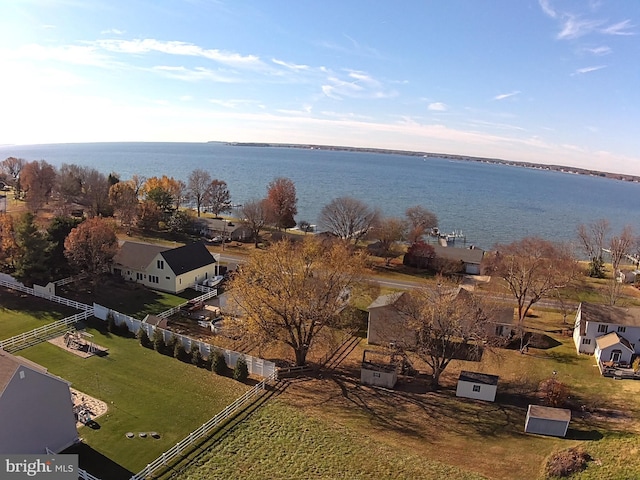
378, 375
479, 386
547, 420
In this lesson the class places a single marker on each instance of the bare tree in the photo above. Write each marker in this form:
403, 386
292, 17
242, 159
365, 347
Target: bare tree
124, 200
282, 200
619, 247
199, 181
449, 323
13, 166
389, 231
593, 240
255, 213
218, 198
291, 292
532, 268
421, 220
348, 218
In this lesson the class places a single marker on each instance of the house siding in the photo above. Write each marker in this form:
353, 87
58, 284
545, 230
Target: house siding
592, 330
36, 413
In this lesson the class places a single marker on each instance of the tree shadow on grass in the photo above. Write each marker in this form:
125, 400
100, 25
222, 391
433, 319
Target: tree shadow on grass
97, 464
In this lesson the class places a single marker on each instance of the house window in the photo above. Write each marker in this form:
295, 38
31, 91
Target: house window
376, 374
622, 329
603, 328
476, 388
168, 278
160, 264
586, 341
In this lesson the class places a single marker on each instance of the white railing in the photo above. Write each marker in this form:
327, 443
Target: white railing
185, 444
42, 334
68, 280
84, 475
52, 298
209, 293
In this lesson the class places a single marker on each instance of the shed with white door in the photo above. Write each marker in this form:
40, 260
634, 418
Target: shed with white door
479, 386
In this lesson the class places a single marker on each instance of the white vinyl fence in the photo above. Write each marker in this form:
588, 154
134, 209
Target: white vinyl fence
208, 294
42, 293
186, 444
256, 366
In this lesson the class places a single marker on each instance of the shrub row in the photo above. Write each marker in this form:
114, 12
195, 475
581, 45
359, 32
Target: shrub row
216, 361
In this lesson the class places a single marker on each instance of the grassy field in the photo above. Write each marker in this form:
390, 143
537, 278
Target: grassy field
330, 426
19, 313
145, 391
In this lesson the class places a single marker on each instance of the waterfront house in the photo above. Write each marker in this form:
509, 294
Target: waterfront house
162, 268
596, 321
386, 326
36, 409
469, 258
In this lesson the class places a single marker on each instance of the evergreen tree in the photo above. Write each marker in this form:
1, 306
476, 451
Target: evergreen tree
33, 248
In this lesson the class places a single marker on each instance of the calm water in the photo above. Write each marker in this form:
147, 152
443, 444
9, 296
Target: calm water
489, 203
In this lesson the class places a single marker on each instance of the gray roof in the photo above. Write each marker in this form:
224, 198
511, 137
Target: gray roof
475, 377
137, 256
465, 255
549, 413
385, 300
608, 314
9, 364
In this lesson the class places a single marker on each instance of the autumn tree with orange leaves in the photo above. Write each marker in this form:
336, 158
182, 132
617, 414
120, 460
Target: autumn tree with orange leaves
281, 199
91, 246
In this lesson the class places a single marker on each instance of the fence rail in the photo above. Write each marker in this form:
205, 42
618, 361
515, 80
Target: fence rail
52, 298
185, 444
42, 334
209, 293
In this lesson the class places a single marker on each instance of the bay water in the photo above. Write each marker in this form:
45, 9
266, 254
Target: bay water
488, 203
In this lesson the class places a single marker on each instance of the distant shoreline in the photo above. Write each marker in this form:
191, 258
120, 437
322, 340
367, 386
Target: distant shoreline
498, 161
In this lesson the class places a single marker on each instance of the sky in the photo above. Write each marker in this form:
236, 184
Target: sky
543, 81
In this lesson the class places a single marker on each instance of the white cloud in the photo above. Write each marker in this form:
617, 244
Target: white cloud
602, 50
290, 66
438, 107
547, 9
112, 31
503, 96
149, 45
584, 70
357, 85
73, 54
574, 27
192, 74
620, 28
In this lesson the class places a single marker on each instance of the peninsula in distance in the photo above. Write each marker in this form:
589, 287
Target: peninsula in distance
539, 166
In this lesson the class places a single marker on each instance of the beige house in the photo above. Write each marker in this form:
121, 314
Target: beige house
36, 409
162, 268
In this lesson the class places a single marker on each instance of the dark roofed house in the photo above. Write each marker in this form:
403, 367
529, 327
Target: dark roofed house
162, 268
36, 409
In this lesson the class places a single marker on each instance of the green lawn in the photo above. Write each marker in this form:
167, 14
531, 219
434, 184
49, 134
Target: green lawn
128, 298
145, 391
19, 314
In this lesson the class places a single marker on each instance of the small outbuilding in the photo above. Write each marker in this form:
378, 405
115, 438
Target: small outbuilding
479, 386
547, 420
377, 373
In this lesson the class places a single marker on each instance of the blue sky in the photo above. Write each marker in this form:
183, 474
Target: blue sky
546, 81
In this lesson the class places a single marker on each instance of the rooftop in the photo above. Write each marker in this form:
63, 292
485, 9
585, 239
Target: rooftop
608, 314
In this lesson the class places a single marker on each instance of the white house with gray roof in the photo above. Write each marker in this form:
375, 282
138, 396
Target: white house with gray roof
594, 321
36, 409
162, 268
